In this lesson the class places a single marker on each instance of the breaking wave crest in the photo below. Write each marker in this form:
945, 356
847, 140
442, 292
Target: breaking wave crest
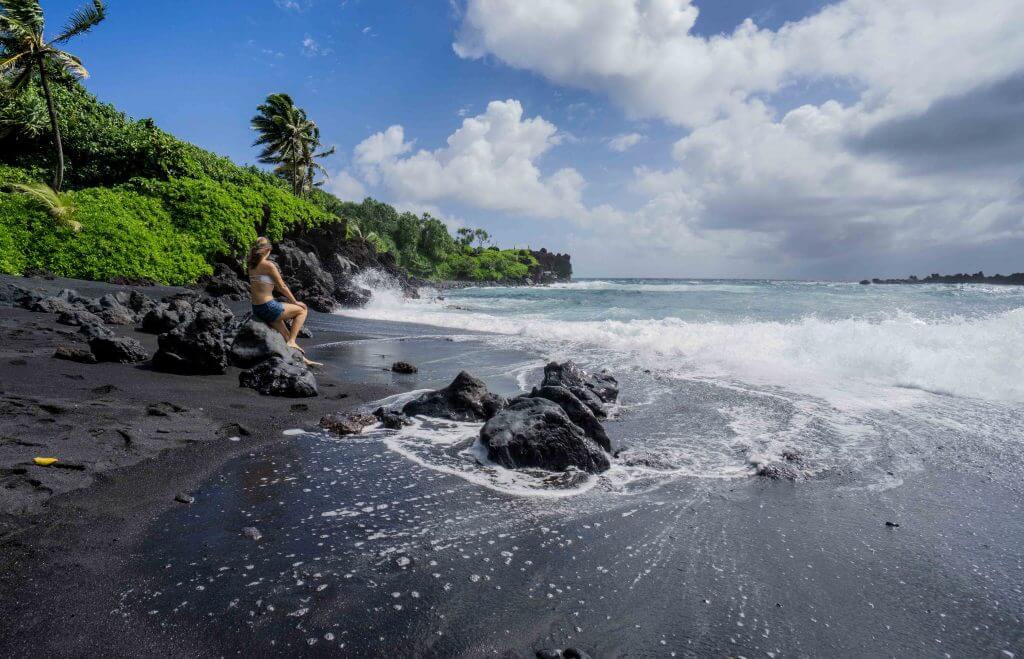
956, 356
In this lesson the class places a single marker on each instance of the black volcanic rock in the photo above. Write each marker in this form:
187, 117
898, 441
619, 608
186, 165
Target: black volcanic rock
197, 347
465, 399
279, 377
391, 419
777, 471
75, 354
347, 424
306, 277
577, 412
594, 390
535, 432
551, 267
255, 341
79, 317
165, 316
121, 349
225, 282
344, 258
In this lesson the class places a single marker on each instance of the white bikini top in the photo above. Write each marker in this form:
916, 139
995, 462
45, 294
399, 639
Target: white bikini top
266, 279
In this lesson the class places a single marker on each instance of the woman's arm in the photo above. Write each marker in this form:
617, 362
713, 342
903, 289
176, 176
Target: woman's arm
275, 274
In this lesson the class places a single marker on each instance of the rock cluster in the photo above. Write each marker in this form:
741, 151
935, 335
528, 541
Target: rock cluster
198, 335
465, 399
554, 427
90, 315
167, 315
595, 390
121, 308
225, 282
198, 345
536, 432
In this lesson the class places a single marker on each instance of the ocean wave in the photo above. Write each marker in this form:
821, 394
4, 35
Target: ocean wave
968, 357
650, 287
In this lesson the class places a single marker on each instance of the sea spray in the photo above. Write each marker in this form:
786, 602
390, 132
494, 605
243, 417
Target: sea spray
721, 376
970, 357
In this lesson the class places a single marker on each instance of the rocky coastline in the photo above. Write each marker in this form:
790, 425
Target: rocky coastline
322, 267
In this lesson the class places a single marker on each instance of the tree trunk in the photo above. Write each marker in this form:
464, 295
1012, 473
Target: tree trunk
58, 176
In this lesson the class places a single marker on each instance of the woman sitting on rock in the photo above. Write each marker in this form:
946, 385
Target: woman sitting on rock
264, 278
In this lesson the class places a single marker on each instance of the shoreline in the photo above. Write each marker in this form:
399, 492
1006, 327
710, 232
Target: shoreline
364, 551
129, 440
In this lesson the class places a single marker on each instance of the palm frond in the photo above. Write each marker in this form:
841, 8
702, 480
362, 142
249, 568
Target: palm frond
70, 63
21, 15
82, 20
11, 61
51, 200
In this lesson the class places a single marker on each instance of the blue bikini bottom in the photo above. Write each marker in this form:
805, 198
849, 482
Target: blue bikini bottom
268, 312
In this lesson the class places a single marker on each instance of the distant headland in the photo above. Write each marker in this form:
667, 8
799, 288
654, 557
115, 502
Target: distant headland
1016, 279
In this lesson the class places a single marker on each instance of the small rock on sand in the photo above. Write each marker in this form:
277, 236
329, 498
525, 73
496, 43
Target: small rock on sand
119, 349
163, 409
347, 424
404, 367
75, 354
252, 533
182, 497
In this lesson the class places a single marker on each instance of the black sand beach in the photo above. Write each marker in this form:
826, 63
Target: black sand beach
364, 552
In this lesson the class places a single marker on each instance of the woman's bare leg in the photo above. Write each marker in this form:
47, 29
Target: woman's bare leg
297, 315
281, 327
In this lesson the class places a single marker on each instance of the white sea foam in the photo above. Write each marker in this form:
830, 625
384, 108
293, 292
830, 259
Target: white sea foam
977, 358
642, 287
870, 389
452, 448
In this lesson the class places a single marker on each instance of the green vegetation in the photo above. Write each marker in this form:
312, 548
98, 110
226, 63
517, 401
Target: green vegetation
24, 51
150, 206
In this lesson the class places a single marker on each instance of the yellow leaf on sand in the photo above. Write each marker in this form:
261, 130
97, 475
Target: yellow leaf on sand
44, 462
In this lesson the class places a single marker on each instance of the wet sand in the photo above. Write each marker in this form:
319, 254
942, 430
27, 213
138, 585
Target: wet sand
366, 553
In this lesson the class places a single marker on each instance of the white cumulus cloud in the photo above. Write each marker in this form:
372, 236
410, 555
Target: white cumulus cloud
490, 163
644, 54
345, 186
919, 150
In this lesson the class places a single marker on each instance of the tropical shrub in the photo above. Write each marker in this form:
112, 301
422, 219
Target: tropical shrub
124, 234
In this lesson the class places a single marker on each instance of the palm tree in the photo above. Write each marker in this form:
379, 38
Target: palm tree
24, 50
290, 140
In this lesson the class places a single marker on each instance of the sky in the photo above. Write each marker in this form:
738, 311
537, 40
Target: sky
648, 138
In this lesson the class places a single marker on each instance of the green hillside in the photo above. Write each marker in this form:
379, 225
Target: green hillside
157, 208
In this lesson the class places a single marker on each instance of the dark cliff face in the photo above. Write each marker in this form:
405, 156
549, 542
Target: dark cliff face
553, 267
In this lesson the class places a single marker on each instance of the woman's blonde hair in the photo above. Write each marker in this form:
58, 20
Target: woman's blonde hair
258, 252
